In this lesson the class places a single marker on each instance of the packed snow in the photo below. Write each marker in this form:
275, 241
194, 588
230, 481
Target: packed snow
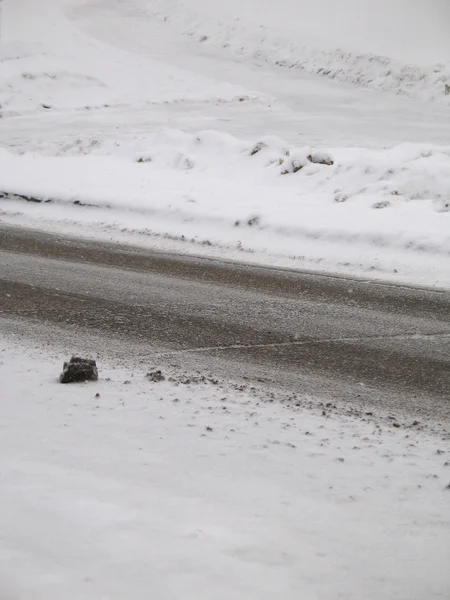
195, 488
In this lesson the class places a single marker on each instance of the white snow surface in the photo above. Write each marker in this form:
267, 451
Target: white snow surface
126, 488
90, 87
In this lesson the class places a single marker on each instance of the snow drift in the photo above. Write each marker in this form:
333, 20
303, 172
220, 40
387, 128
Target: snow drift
414, 31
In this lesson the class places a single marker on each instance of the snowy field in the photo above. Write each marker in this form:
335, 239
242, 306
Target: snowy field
196, 489
150, 112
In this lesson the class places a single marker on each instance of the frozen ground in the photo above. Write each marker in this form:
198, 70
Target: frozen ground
88, 88
183, 489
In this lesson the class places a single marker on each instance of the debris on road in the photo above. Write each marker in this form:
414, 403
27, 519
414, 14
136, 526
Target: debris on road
155, 376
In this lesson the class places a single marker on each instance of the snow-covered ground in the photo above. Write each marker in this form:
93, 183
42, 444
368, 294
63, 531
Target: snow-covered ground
190, 88
187, 488
386, 212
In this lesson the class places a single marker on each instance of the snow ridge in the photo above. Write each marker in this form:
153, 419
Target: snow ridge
288, 49
351, 210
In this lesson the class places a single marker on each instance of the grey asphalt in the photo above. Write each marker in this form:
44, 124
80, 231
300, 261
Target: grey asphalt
326, 336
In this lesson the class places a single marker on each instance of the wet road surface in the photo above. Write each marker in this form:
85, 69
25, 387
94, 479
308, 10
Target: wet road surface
327, 336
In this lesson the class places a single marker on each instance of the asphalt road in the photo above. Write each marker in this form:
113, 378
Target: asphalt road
357, 341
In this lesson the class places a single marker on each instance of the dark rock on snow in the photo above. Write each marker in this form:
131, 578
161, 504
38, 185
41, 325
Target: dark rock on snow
155, 376
78, 370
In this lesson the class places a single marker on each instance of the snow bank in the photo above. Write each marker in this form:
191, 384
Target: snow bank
199, 490
410, 30
386, 212
401, 47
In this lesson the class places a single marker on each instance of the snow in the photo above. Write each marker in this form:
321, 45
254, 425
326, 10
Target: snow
89, 87
368, 43
46, 61
383, 212
383, 28
200, 490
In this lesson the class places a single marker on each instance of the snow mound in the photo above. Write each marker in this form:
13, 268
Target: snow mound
378, 178
33, 83
302, 41
49, 64
28, 86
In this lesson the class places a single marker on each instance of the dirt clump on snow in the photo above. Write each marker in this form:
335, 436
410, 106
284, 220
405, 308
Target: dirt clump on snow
155, 376
79, 370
